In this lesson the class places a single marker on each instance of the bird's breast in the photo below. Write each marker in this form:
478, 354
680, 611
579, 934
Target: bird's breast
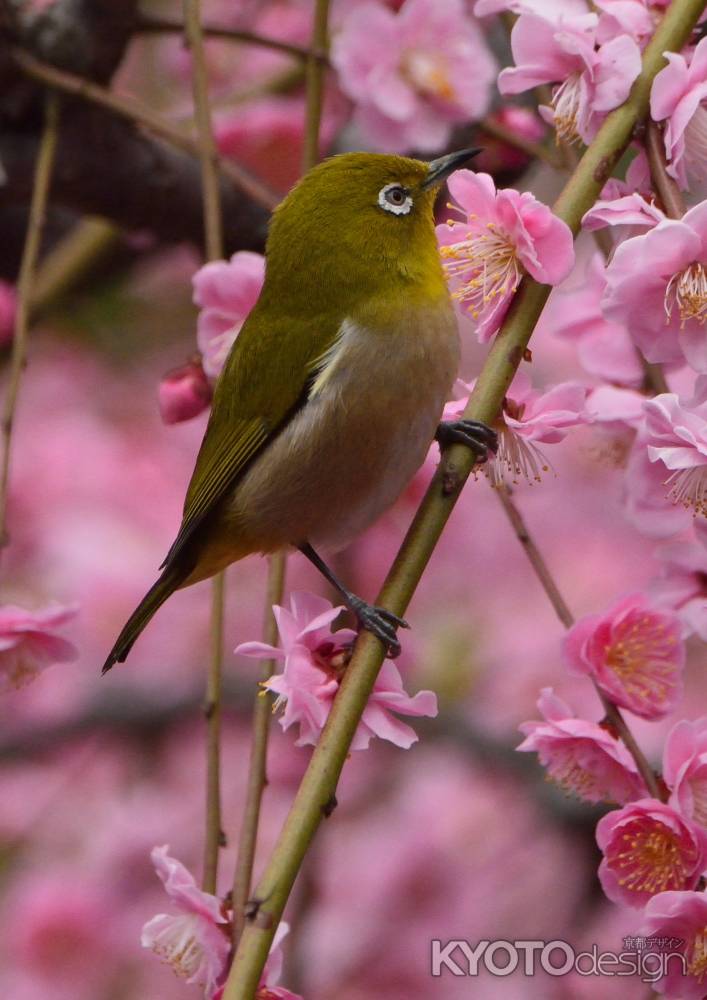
365, 429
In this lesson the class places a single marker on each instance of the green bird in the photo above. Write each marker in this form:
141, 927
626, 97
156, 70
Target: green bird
334, 388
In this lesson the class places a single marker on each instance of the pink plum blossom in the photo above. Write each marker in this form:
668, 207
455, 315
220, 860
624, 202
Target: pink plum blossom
547, 8
501, 235
682, 585
225, 292
184, 392
648, 848
195, 940
679, 917
656, 285
685, 769
646, 503
528, 418
8, 309
591, 81
413, 74
636, 18
677, 98
634, 652
581, 757
676, 436
315, 659
28, 644
628, 210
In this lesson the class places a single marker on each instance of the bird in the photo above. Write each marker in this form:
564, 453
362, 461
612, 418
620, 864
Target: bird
334, 388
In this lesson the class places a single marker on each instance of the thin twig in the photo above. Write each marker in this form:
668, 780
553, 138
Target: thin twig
318, 786
141, 115
38, 207
547, 582
668, 191
213, 241
257, 766
71, 258
536, 150
148, 24
315, 85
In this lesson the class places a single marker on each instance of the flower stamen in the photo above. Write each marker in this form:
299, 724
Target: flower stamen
687, 290
487, 266
566, 101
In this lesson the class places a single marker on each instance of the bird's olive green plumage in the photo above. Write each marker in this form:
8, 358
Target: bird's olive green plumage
353, 327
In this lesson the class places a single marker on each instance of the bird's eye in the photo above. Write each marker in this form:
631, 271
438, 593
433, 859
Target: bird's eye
395, 198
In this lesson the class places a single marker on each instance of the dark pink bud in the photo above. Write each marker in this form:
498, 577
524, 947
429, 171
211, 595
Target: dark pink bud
184, 392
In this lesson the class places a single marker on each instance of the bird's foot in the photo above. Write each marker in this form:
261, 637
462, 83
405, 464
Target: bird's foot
383, 624
473, 433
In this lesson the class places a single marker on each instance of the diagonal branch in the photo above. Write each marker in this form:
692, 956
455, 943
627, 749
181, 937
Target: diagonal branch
319, 783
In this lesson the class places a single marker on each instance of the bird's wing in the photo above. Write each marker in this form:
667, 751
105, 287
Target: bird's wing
267, 378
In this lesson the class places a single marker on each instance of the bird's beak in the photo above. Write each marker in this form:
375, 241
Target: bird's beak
441, 168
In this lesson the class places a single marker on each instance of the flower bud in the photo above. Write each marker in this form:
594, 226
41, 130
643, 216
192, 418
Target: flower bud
184, 392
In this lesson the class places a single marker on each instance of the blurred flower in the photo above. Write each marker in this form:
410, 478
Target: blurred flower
502, 234
676, 435
682, 585
8, 308
184, 392
581, 757
548, 8
413, 74
225, 292
28, 644
634, 652
648, 848
656, 285
685, 769
499, 156
527, 417
591, 80
646, 503
195, 942
315, 659
677, 97
681, 919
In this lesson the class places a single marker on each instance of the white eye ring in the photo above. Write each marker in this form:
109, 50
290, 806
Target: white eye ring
389, 199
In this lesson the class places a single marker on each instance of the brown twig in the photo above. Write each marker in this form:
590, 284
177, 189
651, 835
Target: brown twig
315, 85
148, 24
213, 240
137, 113
257, 766
547, 582
38, 206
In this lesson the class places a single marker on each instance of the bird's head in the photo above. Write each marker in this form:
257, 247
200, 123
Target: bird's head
358, 222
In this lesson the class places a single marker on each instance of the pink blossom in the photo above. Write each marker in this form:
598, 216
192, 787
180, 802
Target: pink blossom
634, 652
682, 585
677, 97
685, 769
636, 18
604, 349
591, 81
194, 941
646, 503
8, 309
676, 436
28, 644
413, 74
581, 757
546, 8
628, 210
225, 291
528, 418
648, 848
656, 285
502, 235
315, 659
184, 392
679, 917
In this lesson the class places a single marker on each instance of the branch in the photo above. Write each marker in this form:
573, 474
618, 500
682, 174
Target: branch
315, 85
38, 207
164, 25
139, 114
213, 240
320, 780
613, 715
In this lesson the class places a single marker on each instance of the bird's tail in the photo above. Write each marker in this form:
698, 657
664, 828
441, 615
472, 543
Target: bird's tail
168, 582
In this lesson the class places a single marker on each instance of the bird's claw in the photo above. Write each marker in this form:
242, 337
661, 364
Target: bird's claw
382, 623
473, 433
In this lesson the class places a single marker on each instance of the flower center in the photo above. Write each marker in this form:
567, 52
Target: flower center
641, 656
332, 658
687, 289
177, 944
697, 957
689, 487
427, 72
651, 859
486, 265
565, 105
